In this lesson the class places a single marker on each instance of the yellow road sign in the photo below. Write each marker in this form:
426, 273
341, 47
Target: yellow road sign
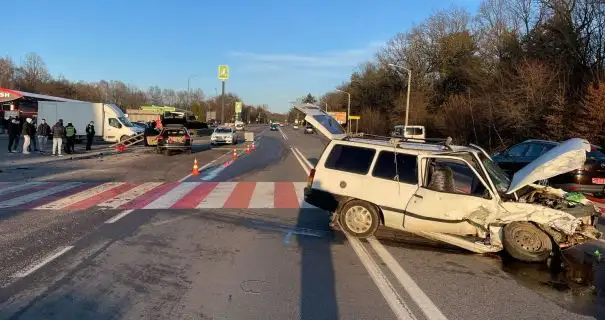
223, 72
238, 107
355, 117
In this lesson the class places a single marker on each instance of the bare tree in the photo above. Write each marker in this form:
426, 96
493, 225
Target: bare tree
7, 72
33, 72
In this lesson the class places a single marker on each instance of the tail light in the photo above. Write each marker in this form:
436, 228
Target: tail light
160, 138
187, 137
310, 179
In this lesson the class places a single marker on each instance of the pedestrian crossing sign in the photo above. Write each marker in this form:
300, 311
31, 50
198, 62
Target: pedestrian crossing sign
223, 72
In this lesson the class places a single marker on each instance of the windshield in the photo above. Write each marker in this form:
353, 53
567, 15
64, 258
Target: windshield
497, 175
125, 121
222, 130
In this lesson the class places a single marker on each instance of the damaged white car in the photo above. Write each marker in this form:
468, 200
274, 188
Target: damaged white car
454, 194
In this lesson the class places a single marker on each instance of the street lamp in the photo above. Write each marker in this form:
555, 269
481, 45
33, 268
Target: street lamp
348, 110
407, 104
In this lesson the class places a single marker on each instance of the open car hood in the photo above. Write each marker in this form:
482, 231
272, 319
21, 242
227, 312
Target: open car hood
322, 121
568, 156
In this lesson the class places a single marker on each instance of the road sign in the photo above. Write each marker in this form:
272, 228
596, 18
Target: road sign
9, 95
238, 107
223, 72
355, 117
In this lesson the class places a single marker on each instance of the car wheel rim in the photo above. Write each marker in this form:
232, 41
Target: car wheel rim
529, 240
358, 219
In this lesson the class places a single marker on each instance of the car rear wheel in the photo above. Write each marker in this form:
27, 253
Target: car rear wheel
526, 242
359, 219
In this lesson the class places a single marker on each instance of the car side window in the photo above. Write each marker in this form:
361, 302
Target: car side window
453, 176
350, 159
517, 151
403, 168
114, 122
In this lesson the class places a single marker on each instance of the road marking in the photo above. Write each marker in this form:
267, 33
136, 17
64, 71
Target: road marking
204, 166
302, 164
218, 196
263, 195
299, 187
193, 198
43, 262
240, 198
309, 164
215, 172
168, 199
64, 202
394, 300
425, 304
13, 188
282, 134
38, 195
285, 196
119, 216
128, 196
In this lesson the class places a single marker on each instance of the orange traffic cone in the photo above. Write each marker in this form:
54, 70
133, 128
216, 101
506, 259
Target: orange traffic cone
196, 170
234, 154
248, 149
253, 147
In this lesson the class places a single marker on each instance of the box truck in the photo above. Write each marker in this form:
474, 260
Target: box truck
111, 124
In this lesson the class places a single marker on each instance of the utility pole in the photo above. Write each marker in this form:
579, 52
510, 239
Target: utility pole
407, 104
223, 75
348, 110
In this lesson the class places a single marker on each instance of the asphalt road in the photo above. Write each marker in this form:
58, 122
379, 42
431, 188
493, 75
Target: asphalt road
136, 236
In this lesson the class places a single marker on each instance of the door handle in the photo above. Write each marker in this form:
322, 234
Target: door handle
418, 196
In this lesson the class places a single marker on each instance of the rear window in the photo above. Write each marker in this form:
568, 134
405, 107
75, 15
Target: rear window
596, 154
350, 159
174, 132
329, 123
402, 168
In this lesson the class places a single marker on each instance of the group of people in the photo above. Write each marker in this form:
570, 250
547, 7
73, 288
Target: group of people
40, 135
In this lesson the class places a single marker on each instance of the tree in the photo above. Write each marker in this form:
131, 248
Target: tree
309, 99
7, 72
32, 73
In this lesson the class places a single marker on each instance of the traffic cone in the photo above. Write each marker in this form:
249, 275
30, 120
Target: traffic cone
196, 170
248, 149
234, 154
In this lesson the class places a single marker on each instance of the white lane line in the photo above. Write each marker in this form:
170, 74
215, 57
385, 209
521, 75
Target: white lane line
218, 196
119, 216
394, 300
204, 166
302, 164
173, 196
19, 187
302, 156
283, 134
263, 195
43, 262
129, 195
425, 304
64, 202
38, 195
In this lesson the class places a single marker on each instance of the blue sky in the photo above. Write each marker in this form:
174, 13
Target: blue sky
276, 50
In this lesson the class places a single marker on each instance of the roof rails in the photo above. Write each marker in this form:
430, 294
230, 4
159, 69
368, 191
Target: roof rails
447, 142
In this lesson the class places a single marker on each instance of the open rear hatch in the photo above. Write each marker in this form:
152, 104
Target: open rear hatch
321, 121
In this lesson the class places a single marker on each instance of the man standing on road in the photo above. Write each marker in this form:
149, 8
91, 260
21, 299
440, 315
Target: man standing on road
70, 133
13, 133
43, 133
90, 134
58, 132
27, 134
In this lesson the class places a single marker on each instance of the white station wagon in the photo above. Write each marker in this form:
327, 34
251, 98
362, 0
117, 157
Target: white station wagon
449, 193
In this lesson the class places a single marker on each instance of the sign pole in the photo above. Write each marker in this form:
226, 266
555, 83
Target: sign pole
223, 103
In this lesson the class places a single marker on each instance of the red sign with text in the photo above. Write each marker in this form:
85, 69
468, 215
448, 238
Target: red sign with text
9, 95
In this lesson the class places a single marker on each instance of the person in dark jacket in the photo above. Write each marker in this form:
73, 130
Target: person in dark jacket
43, 133
58, 132
90, 134
13, 133
70, 134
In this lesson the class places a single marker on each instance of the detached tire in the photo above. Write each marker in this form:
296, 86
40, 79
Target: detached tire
526, 242
359, 219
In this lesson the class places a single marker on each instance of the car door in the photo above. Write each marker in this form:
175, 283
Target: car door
451, 193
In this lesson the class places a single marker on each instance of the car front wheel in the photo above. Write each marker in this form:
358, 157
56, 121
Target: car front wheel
526, 242
359, 219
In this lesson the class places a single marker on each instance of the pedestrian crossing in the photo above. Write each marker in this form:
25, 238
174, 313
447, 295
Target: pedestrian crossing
152, 195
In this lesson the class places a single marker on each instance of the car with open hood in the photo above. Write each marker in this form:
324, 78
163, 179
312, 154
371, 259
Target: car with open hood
455, 194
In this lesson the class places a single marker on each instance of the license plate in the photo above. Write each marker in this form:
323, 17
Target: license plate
598, 180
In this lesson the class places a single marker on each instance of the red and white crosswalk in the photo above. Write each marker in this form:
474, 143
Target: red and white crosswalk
152, 195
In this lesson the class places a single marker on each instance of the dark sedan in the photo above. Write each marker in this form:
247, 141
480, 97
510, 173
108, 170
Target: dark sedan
589, 179
274, 127
173, 138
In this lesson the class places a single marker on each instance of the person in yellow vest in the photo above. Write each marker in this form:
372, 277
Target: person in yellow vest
70, 134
